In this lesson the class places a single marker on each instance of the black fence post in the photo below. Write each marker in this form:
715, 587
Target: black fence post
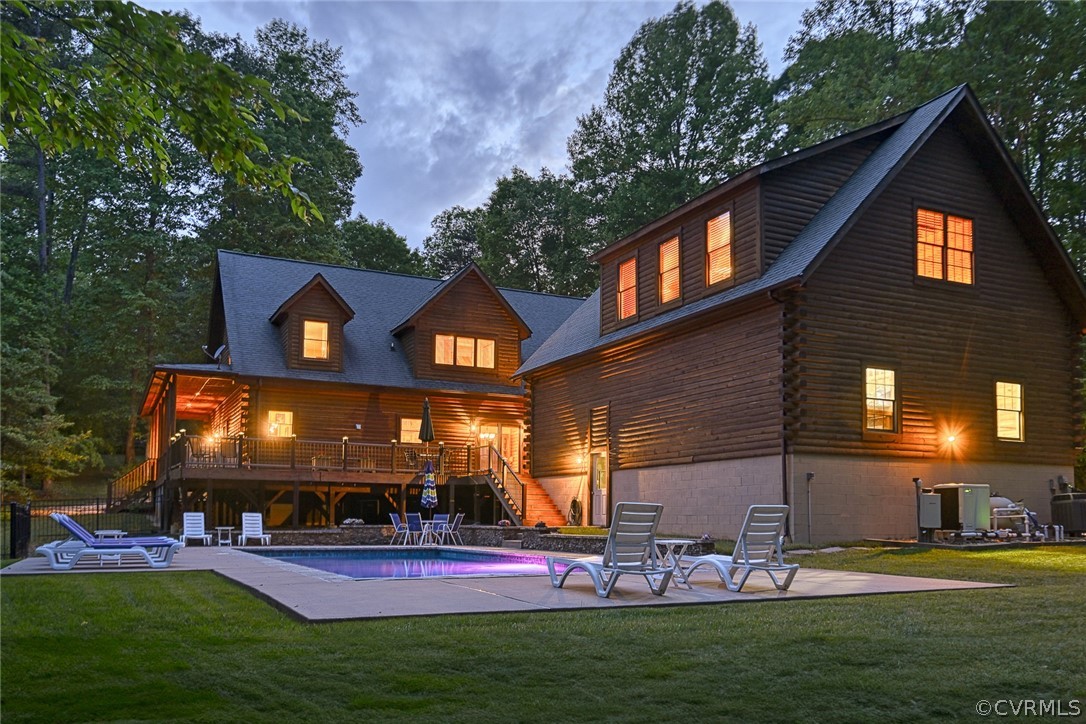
19, 538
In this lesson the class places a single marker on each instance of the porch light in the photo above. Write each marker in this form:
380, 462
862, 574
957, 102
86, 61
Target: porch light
345, 439
951, 438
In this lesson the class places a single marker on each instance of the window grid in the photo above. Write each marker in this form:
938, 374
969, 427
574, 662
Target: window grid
718, 249
1009, 411
280, 423
944, 246
627, 289
314, 339
880, 400
668, 281
451, 349
409, 429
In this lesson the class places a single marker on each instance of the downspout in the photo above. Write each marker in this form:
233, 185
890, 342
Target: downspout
785, 478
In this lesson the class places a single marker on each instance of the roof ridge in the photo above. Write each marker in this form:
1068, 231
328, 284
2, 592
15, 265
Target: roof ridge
327, 264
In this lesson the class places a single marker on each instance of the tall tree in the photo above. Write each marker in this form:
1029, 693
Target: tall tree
684, 109
454, 241
531, 235
377, 246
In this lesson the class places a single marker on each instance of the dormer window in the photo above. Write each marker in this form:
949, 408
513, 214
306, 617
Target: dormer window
944, 246
718, 249
463, 351
627, 289
314, 339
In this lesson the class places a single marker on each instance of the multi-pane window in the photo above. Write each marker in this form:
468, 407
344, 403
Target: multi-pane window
280, 423
627, 289
409, 429
315, 339
944, 246
668, 281
718, 249
880, 400
451, 349
1009, 411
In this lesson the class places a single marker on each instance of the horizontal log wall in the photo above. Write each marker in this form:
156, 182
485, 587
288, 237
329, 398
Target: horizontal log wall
949, 343
792, 195
709, 391
690, 228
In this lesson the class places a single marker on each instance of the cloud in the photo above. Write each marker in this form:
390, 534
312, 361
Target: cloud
457, 93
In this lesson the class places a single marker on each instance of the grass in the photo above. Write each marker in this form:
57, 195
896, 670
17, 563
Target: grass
194, 647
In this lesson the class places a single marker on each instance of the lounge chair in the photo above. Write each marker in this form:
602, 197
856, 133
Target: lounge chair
631, 548
758, 548
193, 527
399, 529
252, 526
156, 551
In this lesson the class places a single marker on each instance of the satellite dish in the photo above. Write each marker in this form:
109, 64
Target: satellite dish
217, 354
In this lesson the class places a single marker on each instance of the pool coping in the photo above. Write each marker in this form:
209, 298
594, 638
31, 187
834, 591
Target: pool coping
317, 596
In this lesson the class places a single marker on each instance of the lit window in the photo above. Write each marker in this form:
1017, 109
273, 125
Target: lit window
718, 249
485, 353
464, 351
280, 424
315, 340
880, 400
444, 349
669, 270
1008, 411
409, 429
944, 246
627, 289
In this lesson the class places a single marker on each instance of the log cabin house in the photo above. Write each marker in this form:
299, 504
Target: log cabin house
819, 331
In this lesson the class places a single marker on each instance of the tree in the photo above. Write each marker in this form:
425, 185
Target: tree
531, 236
684, 109
454, 242
119, 108
377, 246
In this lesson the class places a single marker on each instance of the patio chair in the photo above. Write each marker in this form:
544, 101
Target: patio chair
252, 526
415, 530
758, 548
399, 529
193, 527
630, 548
452, 532
156, 551
439, 527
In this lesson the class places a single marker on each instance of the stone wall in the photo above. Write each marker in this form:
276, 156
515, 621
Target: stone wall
591, 544
379, 535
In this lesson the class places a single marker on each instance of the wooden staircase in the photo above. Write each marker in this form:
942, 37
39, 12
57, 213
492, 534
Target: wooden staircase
540, 506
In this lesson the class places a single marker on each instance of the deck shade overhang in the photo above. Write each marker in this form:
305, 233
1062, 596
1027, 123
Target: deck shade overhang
198, 393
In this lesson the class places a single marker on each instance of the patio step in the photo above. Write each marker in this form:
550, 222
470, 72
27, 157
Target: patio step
540, 506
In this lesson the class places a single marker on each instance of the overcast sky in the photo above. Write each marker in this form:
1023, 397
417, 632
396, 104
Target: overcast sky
455, 94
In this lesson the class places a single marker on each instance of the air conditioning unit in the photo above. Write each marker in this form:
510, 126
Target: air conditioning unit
964, 506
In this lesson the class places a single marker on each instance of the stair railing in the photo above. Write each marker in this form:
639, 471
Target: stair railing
508, 483
133, 481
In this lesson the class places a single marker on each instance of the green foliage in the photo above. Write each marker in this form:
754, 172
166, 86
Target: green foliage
147, 82
454, 242
854, 62
377, 246
685, 108
190, 646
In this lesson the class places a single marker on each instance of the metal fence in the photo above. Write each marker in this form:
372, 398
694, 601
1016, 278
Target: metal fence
92, 513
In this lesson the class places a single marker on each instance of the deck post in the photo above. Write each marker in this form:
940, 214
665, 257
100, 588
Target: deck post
297, 499
393, 457
345, 453
237, 452
467, 463
293, 450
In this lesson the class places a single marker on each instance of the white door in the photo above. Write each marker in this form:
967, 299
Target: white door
600, 483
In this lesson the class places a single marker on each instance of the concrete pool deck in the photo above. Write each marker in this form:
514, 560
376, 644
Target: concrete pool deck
313, 595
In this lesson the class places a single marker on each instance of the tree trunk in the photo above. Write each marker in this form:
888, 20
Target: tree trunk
69, 280
43, 229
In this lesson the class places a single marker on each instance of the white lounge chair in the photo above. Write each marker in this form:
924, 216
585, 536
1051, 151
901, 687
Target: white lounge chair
193, 527
631, 548
252, 526
63, 555
758, 548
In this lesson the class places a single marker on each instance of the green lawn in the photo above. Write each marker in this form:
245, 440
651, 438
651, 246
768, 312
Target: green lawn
194, 647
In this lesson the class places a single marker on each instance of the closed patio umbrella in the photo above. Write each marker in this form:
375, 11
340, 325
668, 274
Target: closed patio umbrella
429, 487
426, 429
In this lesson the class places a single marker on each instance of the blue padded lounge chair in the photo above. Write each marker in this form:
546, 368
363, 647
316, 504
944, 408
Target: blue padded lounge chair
631, 548
156, 551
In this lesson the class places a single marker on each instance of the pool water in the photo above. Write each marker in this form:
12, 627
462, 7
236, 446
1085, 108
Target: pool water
412, 563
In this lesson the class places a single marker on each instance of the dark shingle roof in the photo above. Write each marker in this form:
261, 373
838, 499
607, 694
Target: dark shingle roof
580, 333
254, 286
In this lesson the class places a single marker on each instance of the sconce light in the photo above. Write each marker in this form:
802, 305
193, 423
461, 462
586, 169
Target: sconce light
951, 438
358, 426
345, 439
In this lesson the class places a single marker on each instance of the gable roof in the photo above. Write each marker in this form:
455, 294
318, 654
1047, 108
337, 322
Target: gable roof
444, 287
251, 285
316, 281
805, 252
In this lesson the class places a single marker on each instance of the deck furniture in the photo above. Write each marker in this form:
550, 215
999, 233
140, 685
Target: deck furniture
399, 529
193, 527
439, 528
630, 548
758, 548
156, 551
672, 551
224, 535
452, 532
416, 532
252, 526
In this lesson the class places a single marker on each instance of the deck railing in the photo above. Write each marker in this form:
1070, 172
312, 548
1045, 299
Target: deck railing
291, 453
134, 480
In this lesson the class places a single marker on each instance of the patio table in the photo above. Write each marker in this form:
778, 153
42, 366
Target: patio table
672, 550
225, 534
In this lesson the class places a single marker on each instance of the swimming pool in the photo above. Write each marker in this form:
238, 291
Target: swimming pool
412, 562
